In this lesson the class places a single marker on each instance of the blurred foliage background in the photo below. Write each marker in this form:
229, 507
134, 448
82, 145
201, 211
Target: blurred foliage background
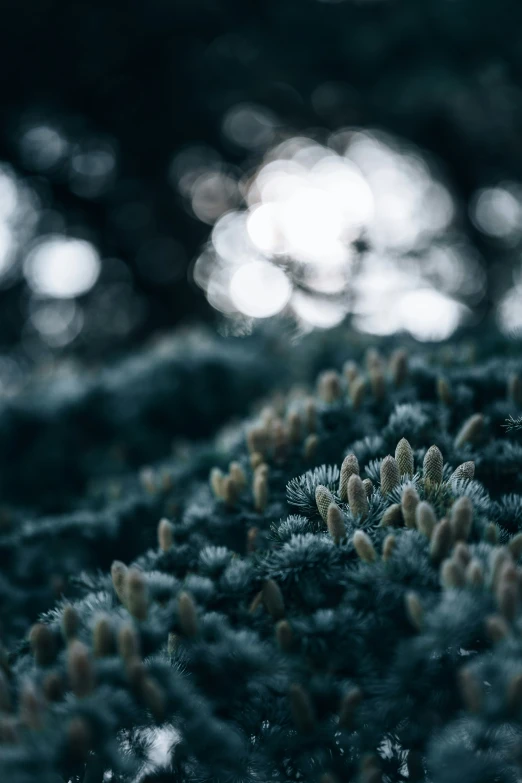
163, 162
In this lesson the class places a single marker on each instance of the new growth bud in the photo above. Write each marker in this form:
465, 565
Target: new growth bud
148, 480
425, 519
388, 545
470, 690
238, 474
136, 594
257, 439
349, 704
217, 479
507, 591
364, 547
256, 459
350, 467
404, 458
497, 628
461, 518
499, 558
294, 427
357, 498
399, 366
414, 609
335, 522
252, 535
409, 502
79, 667
329, 386
79, 738
441, 541
471, 430
43, 644
323, 498
260, 492
392, 517
390, 475
53, 686
230, 491
301, 709
350, 371
464, 471
119, 577
172, 642
514, 390
165, 535
357, 392
284, 635
273, 600
153, 697
310, 447
31, 707
452, 574
128, 643
444, 391
280, 440
368, 487
70, 622
462, 554
474, 574
102, 637
373, 359
433, 465
187, 615
515, 546
378, 383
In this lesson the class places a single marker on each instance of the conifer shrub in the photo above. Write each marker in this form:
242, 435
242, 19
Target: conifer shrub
80, 425
337, 599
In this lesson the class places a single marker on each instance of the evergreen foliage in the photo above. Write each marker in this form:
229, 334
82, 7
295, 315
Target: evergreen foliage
326, 614
81, 425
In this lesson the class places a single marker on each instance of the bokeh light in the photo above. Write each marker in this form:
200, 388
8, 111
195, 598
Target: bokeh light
42, 147
19, 210
250, 126
509, 314
298, 240
62, 267
212, 194
57, 322
428, 314
497, 211
260, 289
92, 168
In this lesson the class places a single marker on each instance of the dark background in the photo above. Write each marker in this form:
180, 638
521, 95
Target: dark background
141, 79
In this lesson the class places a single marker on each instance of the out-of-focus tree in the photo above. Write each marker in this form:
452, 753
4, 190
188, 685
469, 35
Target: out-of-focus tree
130, 126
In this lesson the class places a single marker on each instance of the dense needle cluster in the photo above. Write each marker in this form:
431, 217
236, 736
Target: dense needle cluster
335, 595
